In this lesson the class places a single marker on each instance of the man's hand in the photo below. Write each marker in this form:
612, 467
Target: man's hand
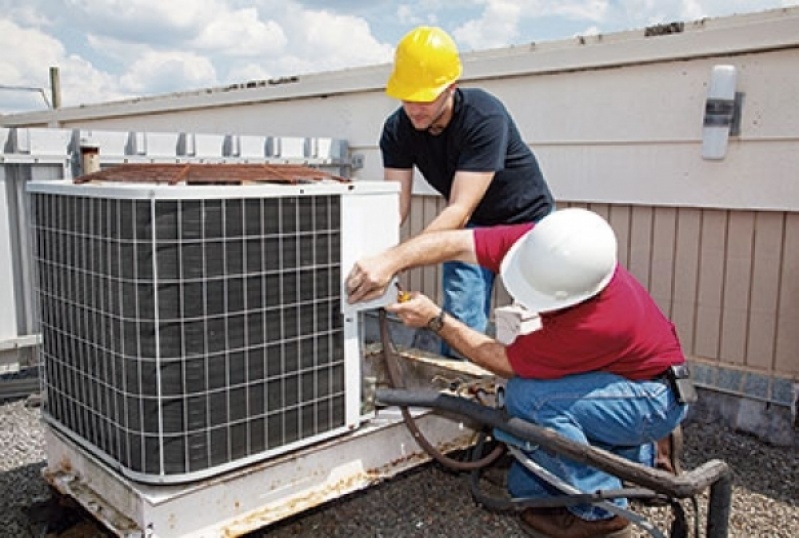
416, 311
368, 278
479, 348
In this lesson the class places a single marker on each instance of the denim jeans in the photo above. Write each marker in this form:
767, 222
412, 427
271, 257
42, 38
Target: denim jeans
467, 295
602, 409
467, 292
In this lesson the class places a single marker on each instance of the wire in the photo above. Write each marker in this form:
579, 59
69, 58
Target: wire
28, 89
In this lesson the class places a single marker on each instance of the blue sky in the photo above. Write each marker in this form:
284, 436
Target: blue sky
115, 49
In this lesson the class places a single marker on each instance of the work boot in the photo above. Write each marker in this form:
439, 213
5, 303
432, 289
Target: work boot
560, 523
668, 454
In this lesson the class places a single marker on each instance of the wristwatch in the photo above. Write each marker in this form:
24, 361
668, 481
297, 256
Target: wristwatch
437, 323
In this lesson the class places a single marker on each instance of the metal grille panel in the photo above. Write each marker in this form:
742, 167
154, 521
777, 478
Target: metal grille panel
184, 335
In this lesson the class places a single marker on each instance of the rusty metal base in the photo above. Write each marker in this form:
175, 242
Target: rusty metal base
246, 499
241, 501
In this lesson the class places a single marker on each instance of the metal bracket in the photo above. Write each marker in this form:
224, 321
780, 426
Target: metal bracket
737, 108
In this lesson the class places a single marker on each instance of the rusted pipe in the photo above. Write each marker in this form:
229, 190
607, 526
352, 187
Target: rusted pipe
89, 157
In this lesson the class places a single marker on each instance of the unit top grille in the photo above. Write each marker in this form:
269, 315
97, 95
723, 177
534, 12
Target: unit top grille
210, 174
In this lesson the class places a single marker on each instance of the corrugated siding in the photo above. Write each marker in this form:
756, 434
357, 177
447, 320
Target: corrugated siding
726, 278
788, 314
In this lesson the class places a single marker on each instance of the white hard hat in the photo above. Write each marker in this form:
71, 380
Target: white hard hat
568, 257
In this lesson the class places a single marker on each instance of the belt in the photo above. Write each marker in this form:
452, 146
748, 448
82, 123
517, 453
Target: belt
672, 373
662, 376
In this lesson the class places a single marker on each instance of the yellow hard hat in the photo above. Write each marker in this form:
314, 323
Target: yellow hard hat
425, 63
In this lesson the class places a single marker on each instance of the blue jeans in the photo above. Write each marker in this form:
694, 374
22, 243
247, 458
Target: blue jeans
467, 296
601, 409
467, 292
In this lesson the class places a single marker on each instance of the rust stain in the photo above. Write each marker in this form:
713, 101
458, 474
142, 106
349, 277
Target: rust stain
299, 504
71, 486
65, 464
63, 471
360, 480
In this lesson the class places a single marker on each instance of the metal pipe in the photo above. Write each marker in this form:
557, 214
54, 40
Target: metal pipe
89, 157
719, 506
55, 86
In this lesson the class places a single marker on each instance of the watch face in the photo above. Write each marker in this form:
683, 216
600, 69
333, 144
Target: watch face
436, 323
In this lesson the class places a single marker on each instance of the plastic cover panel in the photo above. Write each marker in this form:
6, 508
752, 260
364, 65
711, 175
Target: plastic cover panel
183, 336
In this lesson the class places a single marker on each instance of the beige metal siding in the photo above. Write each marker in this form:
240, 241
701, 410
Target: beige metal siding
786, 357
764, 290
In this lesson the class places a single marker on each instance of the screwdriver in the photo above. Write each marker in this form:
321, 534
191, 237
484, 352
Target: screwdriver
402, 295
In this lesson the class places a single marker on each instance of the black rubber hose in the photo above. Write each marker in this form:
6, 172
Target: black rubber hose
719, 507
395, 378
714, 472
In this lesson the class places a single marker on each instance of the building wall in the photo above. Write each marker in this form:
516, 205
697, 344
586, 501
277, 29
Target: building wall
616, 122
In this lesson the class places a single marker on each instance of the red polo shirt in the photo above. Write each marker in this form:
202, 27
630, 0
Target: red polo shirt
620, 330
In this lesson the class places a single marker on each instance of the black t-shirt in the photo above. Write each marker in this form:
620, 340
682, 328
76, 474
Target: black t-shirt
481, 137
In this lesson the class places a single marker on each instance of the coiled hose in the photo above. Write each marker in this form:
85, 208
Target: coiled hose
395, 378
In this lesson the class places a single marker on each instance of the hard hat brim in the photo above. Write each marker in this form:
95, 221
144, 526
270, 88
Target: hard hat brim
401, 92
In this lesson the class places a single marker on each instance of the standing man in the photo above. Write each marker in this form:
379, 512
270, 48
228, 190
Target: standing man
606, 367
466, 145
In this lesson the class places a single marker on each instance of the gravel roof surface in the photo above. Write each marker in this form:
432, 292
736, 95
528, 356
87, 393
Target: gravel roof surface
430, 501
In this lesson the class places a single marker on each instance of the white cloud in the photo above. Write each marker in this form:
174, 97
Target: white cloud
430, 12
590, 31
501, 21
81, 82
324, 41
29, 65
22, 64
129, 18
245, 72
25, 14
592, 10
342, 40
692, 9
158, 72
497, 26
241, 33
409, 15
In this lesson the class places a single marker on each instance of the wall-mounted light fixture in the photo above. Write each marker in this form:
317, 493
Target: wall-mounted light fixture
722, 112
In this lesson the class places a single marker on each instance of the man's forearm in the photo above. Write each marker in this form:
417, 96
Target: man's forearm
433, 248
451, 218
477, 347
